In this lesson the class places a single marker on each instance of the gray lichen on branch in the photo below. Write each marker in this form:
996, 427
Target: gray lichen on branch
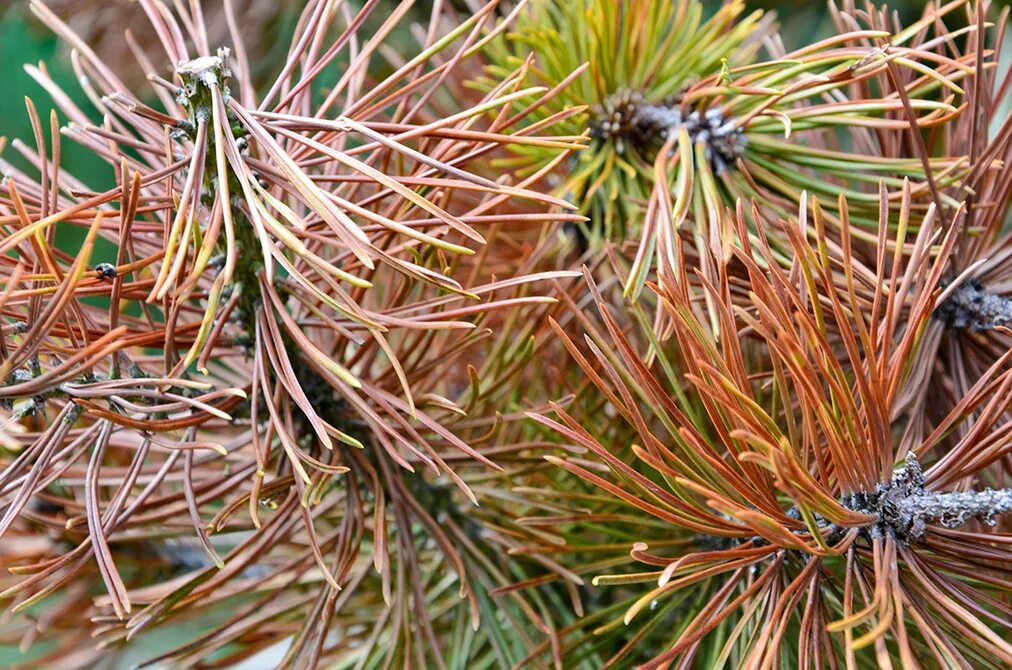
627, 118
972, 305
199, 76
905, 507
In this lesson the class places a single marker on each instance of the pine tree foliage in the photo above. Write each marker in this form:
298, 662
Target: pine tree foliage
547, 333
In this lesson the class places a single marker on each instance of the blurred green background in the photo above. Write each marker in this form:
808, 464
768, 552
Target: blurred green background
23, 40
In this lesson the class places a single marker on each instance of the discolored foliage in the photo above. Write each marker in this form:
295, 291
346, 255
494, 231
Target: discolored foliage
687, 115
758, 470
549, 333
259, 380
